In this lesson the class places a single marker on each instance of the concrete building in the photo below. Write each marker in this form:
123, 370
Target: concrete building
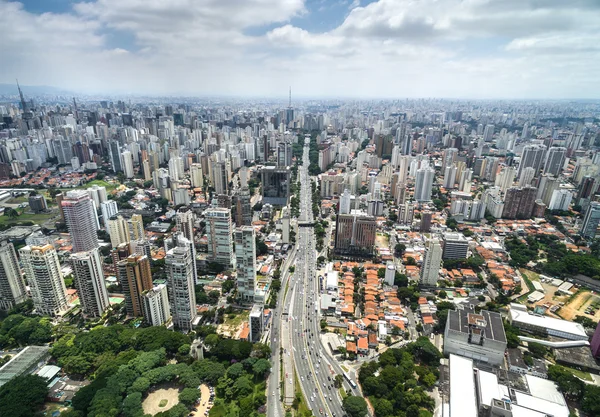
109, 209
89, 279
455, 246
196, 176
156, 306
355, 234
12, 285
256, 322
185, 224
118, 229
275, 185
243, 207
518, 202
424, 184
430, 269
135, 277
218, 233
555, 160
127, 159
37, 203
45, 279
81, 219
390, 273
544, 325
345, 202
137, 228
591, 219
533, 156
97, 194
179, 264
561, 199
285, 225
479, 336
245, 255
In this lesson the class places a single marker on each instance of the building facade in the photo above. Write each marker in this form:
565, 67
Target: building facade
89, 278
12, 285
245, 255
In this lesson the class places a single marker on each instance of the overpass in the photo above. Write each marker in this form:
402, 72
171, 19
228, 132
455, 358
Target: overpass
556, 345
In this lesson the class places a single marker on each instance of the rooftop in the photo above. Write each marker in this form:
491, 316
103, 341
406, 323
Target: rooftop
490, 322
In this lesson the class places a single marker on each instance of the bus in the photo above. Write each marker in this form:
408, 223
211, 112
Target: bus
350, 381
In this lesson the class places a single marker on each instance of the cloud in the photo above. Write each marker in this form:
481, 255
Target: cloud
388, 48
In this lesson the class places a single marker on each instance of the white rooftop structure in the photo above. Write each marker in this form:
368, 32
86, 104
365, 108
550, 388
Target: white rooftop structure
520, 317
535, 296
332, 280
462, 381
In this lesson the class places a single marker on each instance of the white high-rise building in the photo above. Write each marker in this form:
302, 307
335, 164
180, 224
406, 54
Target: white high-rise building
176, 168
526, 176
109, 209
118, 230
345, 202
506, 178
137, 227
157, 310
533, 156
450, 177
45, 279
488, 133
196, 175
127, 159
390, 273
12, 285
555, 160
245, 254
89, 279
561, 199
218, 232
180, 275
424, 184
98, 194
430, 269
81, 219
185, 224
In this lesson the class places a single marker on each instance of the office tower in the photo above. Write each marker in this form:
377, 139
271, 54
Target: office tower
185, 224
432, 261
245, 255
561, 199
406, 144
219, 173
591, 219
176, 168
137, 227
518, 202
450, 177
118, 229
109, 209
533, 156
256, 321
284, 154
196, 176
345, 202
37, 203
135, 277
424, 184
218, 233
455, 246
98, 195
89, 279
243, 209
488, 133
180, 263
243, 174
81, 220
506, 178
526, 176
555, 160
157, 310
275, 185
127, 164
115, 156
44, 277
355, 234
12, 285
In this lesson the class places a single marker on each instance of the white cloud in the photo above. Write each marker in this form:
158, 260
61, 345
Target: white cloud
449, 48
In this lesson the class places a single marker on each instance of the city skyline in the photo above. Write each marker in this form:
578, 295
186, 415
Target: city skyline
363, 49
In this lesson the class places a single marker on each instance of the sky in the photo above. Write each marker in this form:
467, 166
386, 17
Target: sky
321, 48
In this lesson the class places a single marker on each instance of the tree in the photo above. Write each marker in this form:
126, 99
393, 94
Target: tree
399, 249
442, 294
355, 406
261, 367
451, 223
188, 396
591, 400
22, 395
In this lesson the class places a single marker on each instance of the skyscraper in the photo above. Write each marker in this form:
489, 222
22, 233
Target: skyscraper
218, 232
127, 159
137, 227
432, 261
81, 220
135, 277
12, 285
245, 255
450, 177
506, 178
533, 156
560, 200
45, 278
179, 264
591, 219
157, 310
526, 176
89, 279
555, 160
355, 234
424, 184
109, 209
98, 194
118, 230
185, 224
243, 209
196, 175
115, 156
518, 202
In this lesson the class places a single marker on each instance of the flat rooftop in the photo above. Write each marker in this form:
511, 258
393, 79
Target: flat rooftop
519, 315
458, 320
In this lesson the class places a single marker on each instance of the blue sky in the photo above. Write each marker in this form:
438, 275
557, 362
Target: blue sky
323, 48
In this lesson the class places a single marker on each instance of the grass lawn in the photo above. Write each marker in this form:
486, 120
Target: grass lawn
237, 320
343, 392
303, 405
29, 217
162, 403
218, 411
534, 276
580, 374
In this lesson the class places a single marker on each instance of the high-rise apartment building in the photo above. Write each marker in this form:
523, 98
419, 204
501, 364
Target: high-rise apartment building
555, 160
533, 156
157, 310
45, 278
591, 219
355, 234
561, 199
430, 269
245, 255
219, 172
115, 156
118, 230
450, 177
127, 159
196, 175
185, 224
243, 208
109, 209
424, 184
89, 279
98, 194
218, 232
81, 220
506, 178
519, 202
179, 264
135, 277
526, 177
137, 227
12, 285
